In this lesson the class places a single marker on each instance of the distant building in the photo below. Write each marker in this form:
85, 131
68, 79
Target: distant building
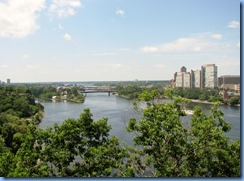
204, 78
178, 79
8, 81
231, 82
209, 76
186, 79
228, 79
183, 69
196, 78
172, 83
182, 78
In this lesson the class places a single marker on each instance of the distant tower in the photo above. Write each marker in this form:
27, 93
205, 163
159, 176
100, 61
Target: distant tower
196, 78
209, 75
183, 69
8, 81
182, 78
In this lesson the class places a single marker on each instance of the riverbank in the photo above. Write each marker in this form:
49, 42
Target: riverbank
123, 96
204, 102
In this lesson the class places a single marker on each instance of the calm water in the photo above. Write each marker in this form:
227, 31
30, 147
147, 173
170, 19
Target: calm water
118, 111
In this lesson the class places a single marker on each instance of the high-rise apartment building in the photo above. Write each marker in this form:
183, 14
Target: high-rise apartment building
8, 81
186, 79
196, 78
204, 78
178, 79
182, 78
209, 76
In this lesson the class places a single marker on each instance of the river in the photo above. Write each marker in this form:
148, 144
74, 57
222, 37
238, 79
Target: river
118, 111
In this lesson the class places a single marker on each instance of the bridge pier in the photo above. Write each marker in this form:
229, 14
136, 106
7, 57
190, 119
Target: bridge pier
108, 93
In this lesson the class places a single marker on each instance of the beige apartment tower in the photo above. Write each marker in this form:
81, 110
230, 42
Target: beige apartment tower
209, 76
196, 78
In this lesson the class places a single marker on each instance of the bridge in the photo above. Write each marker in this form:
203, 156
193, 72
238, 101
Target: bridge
95, 89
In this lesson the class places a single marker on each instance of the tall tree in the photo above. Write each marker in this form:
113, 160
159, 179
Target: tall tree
170, 148
78, 147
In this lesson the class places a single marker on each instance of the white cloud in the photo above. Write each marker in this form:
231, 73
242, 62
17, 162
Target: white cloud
67, 37
105, 54
234, 24
116, 65
64, 8
18, 18
217, 36
149, 49
182, 44
120, 12
196, 43
26, 56
34, 66
160, 66
4, 66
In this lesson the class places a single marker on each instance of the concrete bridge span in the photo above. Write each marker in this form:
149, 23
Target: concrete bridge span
97, 90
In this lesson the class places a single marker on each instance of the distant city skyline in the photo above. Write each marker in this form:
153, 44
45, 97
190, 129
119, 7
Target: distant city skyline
94, 40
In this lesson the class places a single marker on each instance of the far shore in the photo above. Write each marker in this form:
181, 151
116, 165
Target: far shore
204, 102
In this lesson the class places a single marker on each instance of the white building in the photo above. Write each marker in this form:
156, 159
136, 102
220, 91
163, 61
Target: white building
209, 76
182, 79
186, 79
179, 79
196, 78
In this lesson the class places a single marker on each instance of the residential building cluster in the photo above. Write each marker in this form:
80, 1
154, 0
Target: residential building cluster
206, 77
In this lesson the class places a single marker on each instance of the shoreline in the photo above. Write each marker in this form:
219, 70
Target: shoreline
204, 102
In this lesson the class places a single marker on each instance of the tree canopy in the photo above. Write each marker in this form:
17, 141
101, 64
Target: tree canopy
175, 150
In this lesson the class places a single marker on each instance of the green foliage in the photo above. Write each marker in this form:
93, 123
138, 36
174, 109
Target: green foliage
19, 101
43, 92
131, 92
211, 95
170, 149
235, 100
17, 110
78, 147
215, 99
48, 92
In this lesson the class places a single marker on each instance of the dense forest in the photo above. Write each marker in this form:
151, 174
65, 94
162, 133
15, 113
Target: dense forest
82, 147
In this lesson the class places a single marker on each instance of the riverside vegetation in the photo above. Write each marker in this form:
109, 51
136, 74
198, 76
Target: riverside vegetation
82, 147
64, 93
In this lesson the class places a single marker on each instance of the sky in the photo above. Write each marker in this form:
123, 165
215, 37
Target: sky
116, 40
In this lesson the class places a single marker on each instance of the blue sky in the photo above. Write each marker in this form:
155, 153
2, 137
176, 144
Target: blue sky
96, 40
